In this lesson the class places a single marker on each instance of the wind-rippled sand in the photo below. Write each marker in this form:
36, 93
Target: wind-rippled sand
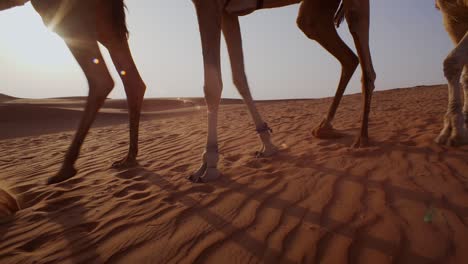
317, 201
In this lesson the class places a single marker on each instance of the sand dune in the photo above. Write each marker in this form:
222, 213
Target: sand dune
403, 200
5, 98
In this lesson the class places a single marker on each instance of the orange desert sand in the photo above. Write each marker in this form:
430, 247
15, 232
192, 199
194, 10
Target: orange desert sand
402, 200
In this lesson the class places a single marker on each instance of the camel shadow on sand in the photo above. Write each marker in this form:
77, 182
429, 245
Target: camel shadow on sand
247, 242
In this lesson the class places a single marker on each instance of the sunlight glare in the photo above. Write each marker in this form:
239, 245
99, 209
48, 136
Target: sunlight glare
34, 45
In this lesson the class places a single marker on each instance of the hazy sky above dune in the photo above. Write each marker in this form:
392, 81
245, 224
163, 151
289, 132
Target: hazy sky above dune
408, 43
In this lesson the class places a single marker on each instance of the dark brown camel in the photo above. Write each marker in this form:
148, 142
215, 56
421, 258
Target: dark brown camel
82, 24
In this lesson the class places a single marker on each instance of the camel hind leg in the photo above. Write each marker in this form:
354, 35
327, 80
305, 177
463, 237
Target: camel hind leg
232, 34
454, 132
112, 34
316, 21
88, 56
134, 89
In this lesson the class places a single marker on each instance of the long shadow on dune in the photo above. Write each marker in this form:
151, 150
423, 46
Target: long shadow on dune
70, 215
249, 243
242, 239
428, 152
331, 225
6, 224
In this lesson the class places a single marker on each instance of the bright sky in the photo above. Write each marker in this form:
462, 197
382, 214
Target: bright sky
408, 43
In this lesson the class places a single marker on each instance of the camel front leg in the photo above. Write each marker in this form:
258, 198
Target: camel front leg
232, 34
454, 132
100, 84
358, 17
209, 20
135, 90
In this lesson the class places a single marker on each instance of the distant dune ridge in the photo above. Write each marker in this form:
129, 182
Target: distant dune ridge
4, 98
402, 200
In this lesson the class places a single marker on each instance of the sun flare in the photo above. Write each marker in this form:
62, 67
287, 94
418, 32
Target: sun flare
29, 43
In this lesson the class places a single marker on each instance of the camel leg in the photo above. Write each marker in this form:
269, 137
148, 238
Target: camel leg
454, 132
135, 89
100, 84
465, 90
357, 16
209, 18
320, 28
232, 34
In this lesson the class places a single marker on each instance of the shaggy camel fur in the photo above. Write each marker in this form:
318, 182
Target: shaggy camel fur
455, 14
316, 19
82, 24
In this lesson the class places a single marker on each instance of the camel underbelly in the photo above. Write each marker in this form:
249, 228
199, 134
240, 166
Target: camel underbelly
67, 17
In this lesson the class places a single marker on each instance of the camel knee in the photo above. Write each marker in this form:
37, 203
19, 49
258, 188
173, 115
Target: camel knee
213, 88
452, 68
139, 90
142, 89
212, 97
310, 27
350, 63
100, 88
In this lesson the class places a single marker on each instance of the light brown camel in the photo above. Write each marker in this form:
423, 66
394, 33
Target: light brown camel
455, 14
316, 19
82, 24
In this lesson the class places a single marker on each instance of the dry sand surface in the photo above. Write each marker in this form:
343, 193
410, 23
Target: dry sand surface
317, 201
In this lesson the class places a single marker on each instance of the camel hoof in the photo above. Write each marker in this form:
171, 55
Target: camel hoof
210, 174
443, 137
326, 131
125, 163
62, 175
451, 141
266, 152
361, 142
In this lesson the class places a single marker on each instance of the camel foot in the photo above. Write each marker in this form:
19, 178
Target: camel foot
267, 151
204, 175
454, 133
361, 142
125, 163
326, 131
451, 140
63, 175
